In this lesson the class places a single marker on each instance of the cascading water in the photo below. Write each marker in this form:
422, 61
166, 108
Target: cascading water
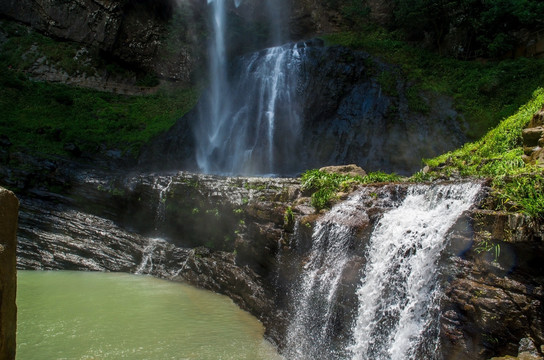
248, 125
398, 293
313, 331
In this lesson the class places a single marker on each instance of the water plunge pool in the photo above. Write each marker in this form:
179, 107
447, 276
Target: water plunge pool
89, 315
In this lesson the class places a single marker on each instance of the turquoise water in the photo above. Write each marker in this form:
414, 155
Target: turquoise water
85, 315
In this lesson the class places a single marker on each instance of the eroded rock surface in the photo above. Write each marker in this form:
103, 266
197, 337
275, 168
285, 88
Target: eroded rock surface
216, 233
495, 293
533, 140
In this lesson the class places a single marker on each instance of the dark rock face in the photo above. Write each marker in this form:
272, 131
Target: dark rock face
155, 36
8, 276
167, 37
345, 99
492, 302
58, 237
216, 233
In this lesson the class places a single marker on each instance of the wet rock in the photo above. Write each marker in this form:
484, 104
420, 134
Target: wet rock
526, 351
494, 298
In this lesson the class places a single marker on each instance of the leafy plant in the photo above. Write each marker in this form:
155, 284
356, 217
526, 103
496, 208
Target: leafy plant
288, 217
486, 245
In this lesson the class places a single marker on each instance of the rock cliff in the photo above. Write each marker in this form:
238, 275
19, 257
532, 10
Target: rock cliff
343, 98
158, 36
165, 37
250, 237
8, 276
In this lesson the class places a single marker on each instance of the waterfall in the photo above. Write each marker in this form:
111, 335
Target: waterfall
161, 206
146, 264
397, 298
248, 123
311, 333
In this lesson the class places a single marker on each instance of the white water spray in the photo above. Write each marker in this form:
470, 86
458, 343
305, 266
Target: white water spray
311, 333
146, 264
160, 215
399, 294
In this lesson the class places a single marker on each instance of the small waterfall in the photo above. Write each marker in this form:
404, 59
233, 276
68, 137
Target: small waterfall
397, 299
311, 333
161, 206
399, 295
146, 264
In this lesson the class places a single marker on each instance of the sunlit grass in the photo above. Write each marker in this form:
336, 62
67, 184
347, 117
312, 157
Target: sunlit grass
324, 186
498, 155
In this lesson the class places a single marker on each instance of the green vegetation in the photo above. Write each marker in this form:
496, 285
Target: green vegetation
41, 118
478, 27
324, 186
497, 155
288, 217
489, 27
485, 92
484, 244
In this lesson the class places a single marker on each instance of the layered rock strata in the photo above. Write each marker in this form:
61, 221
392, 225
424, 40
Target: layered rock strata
533, 140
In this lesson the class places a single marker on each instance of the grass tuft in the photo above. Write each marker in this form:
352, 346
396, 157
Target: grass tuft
324, 186
498, 156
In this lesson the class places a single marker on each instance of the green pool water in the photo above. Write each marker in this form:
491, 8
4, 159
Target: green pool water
84, 315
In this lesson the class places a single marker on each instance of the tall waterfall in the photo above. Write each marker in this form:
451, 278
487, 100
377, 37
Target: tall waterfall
398, 293
247, 124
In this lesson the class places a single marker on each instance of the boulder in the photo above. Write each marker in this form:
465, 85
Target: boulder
351, 170
9, 207
533, 140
